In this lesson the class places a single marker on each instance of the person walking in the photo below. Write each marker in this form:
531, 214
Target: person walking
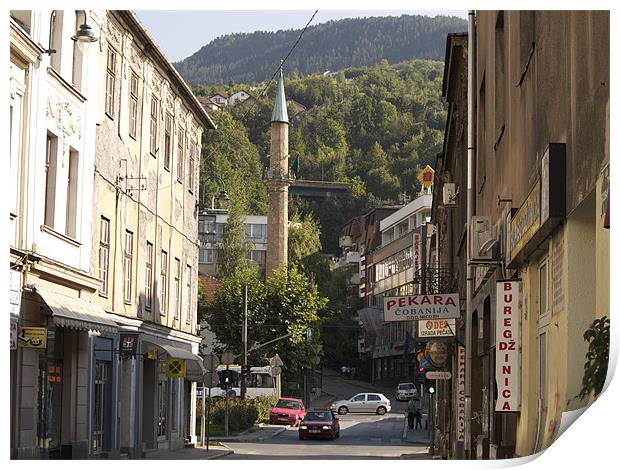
418, 418
411, 413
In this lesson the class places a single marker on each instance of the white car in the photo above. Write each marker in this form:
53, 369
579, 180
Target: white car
406, 391
363, 403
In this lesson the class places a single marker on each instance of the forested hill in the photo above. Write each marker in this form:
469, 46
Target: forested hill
248, 58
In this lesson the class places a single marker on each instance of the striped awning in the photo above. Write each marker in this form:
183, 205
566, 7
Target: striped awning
79, 314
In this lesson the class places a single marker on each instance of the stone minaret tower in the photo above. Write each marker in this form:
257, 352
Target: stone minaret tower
277, 181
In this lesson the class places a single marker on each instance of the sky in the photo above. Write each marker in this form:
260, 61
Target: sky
201, 27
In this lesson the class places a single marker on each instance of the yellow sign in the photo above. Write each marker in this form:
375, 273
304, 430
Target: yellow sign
426, 176
525, 222
175, 368
33, 337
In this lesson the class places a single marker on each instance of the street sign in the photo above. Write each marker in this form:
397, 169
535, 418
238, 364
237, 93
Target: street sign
175, 368
231, 393
228, 358
211, 361
211, 379
274, 371
275, 361
438, 375
438, 353
33, 337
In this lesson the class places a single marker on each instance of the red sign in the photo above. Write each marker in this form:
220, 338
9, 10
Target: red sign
508, 344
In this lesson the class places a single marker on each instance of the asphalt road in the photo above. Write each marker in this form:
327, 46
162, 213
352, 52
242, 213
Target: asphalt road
362, 435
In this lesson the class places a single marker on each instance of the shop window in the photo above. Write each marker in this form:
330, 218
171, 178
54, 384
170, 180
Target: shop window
148, 287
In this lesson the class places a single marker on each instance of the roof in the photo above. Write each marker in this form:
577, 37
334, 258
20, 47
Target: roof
280, 113
180, 86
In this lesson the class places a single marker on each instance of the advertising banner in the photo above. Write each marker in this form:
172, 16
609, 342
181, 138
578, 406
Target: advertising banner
508, 345
175, 368
436, 328
421, 307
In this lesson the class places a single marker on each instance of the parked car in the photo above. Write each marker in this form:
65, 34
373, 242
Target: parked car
287, 411
319, 423
405, 391
363, 403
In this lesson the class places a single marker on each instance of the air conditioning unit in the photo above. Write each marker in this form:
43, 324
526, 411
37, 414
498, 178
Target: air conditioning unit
484, 245
449, 195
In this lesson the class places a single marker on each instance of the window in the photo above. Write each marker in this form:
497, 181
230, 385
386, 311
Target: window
192, 156
104, 250
110, 82
543, 286
209, 256
148, 288
56, 39
154, 111
500, 80
188, 287
51, 168
255, 231
360, 397
133, 106
258, 256
167, 141
177, 287
163, 282
76, 72
128, 265
180, 169
71, 202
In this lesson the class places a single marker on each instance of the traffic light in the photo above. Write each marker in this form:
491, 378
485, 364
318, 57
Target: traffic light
245, 370
302, 368
226, 379
431, 389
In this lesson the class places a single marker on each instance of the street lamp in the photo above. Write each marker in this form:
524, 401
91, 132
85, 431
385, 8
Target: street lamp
83, 36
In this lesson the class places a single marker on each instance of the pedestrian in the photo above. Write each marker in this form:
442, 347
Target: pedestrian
411, 413
418, 419
343, 371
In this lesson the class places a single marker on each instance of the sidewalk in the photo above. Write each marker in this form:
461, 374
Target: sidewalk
189, 453
260, 432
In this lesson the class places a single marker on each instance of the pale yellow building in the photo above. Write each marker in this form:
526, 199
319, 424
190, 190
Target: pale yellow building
145, 231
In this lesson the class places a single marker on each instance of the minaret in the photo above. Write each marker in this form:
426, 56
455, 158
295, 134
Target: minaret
277, 181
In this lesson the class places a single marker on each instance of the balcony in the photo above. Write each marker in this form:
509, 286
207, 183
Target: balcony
345, 241
351, 257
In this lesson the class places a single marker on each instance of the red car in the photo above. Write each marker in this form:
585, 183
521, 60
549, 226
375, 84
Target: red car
319, 423
287, 411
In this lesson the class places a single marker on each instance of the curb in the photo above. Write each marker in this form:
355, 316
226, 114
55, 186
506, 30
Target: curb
226, 453
241, 438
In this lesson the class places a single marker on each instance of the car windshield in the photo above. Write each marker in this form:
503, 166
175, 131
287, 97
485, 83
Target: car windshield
405, 386
291, 405
318, 416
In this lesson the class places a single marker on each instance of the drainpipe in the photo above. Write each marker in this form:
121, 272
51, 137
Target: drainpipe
471, 158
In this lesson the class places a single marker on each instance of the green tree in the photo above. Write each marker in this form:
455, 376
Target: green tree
304, 237
235, 247
286, 304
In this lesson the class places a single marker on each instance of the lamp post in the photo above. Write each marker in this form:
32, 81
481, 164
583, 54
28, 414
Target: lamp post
83, 36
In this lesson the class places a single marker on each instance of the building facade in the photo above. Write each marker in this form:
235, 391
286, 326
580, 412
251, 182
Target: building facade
53, 108
104, 251
541, 186
211, 225
145, 226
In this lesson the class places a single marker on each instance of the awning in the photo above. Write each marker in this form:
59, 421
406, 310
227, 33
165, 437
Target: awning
194, 369
79, 314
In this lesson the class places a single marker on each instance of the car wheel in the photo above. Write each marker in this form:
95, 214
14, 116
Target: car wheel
343, 410
381, 410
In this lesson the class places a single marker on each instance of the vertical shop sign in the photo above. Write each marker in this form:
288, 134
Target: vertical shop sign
460, 398
508, 346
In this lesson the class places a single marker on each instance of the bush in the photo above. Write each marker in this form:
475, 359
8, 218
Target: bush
242, 414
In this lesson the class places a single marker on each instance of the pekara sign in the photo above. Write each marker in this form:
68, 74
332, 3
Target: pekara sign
508, 342
421, 307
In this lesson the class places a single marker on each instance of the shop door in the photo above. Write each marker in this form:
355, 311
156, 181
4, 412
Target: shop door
162, 408
50, 406
101, 418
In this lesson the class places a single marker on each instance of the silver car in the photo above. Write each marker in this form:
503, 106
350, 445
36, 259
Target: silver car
405, 391
363, 403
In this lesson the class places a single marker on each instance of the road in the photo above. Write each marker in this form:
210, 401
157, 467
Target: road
362, 435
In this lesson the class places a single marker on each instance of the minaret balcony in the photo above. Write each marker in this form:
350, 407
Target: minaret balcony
278, 175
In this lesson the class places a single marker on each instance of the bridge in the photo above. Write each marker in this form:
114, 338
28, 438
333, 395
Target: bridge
317, 189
